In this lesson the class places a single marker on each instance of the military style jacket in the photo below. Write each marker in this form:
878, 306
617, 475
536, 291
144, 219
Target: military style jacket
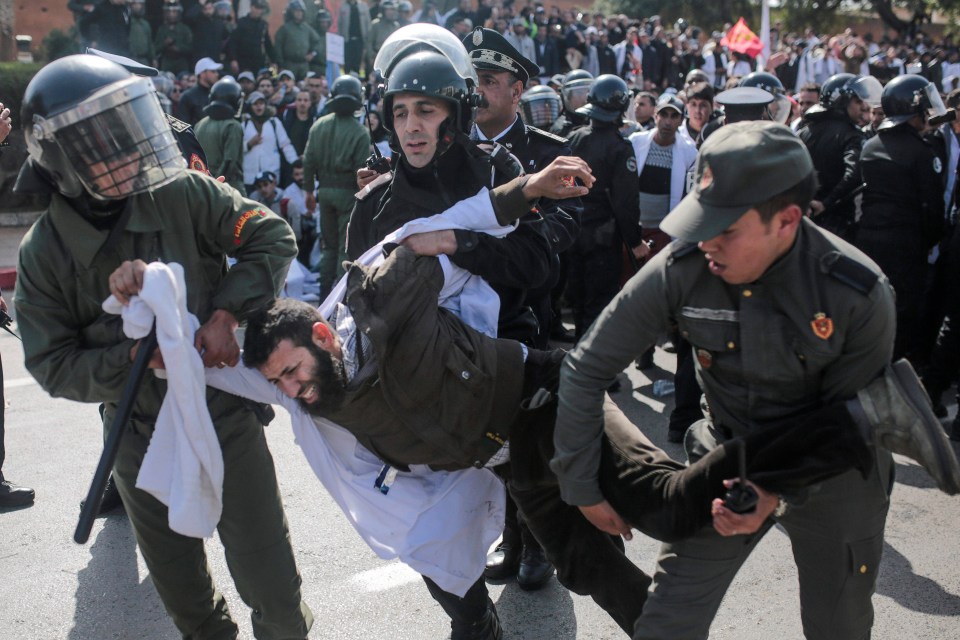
223, 142
336, 147
467, 385
815, 328
292, 43
77, 351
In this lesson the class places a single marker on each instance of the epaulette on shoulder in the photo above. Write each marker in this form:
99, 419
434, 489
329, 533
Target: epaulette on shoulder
176, 124
680, 249
848, 271
546, 135
377, 184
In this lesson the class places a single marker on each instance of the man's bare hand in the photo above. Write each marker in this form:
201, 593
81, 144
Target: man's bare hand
217, 342
641, 251
603, 517
311, 202
127, 280
557, 180
156, 360
728, 523
431, 243
365, 176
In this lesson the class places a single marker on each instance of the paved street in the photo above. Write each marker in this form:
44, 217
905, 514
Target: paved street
53, 589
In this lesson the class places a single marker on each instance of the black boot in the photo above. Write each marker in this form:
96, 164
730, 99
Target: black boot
535, 569
111, 498
12, 495
503, 562
486, 628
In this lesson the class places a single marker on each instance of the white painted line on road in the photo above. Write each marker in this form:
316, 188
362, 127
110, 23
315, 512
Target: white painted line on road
385, 578
18, 382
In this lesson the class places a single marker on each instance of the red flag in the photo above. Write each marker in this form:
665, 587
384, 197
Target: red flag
742, 40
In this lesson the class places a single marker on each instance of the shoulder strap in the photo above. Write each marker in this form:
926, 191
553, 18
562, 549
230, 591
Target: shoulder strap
848, 271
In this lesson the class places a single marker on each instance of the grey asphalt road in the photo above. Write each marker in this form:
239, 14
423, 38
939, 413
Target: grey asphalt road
51, 588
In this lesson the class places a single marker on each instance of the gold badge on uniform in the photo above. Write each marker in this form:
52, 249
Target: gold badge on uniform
705, 358
477, 37
822, 326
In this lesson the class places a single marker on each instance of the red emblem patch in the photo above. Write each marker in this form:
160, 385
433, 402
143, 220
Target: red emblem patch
822, 326
197, 164
242, 221
705, 358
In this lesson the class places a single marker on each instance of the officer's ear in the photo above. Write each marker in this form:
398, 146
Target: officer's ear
787, 220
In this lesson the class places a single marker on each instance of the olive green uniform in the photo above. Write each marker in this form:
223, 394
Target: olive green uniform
336, 147
292, 44
141, 41
175, 56
380, 30
815, 328
77, 351
222, 141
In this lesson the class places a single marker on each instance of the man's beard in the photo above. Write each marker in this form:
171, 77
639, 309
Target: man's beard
328, 376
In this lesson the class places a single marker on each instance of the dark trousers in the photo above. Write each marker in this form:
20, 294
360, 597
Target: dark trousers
593, 280
686, 408
463, 611
660, 497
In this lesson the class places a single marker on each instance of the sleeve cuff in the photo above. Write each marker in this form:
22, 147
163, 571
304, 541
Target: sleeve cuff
580, 493
467, 241
509, 203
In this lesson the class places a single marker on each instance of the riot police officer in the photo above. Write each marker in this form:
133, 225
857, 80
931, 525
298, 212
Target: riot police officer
779, 109
221, 133
831, 133
540, 107
576, 86
611, 213
903, 201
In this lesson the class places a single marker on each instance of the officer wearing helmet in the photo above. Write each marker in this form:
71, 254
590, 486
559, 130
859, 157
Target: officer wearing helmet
428, 104
336, 146
831, 132
502, 73
779, 109
611, 213
903, 207
321, 22
296, 43
382, 27
97, 137
540, 107
576, 86
221, 134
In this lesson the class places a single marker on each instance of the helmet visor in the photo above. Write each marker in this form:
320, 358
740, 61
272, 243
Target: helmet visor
540, 112
780, 108
868, 89
936, 109
424, 37
118, 141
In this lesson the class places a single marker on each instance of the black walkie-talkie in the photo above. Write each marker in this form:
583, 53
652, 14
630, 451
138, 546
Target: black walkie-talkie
376, 161
741, 498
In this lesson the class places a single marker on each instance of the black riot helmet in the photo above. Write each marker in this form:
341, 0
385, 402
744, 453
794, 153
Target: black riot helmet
907, 96
540, 106
608, 99
576, 86
430, 60
779, 109
92, 127
838, 90
346, 96
226, 100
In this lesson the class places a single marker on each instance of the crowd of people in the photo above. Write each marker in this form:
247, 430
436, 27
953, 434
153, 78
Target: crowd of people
515, 162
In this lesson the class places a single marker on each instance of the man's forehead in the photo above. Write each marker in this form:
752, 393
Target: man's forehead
407, 100
283, 356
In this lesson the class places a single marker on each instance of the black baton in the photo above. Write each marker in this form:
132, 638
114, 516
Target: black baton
110, 448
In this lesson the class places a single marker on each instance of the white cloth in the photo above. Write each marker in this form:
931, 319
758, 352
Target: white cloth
183, 465
684, 159
440, 524
467, 295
